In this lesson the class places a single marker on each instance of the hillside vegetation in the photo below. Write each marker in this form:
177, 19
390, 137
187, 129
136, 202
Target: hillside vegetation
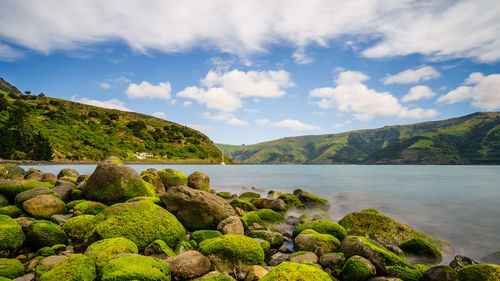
471, 139
37, 127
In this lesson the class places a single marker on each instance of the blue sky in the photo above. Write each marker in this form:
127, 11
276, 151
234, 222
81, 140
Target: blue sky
244, 72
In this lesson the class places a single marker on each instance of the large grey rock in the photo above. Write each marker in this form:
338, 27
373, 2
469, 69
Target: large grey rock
196, 209
460, 261
68, 172
188, 265
231, 225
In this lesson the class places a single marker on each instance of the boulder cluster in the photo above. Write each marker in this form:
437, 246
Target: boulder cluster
116, 224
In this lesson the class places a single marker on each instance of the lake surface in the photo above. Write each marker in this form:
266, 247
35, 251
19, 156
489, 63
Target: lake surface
459, 204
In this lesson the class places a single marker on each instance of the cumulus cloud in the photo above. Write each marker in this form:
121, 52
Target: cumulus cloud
409, 76
224, 90
236, 122
351, 95
436, 29
484, 92
160, 114
112, 103
291, 124
147, 90
417, 93
301, 57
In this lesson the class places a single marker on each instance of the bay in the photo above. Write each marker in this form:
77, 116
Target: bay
459, 204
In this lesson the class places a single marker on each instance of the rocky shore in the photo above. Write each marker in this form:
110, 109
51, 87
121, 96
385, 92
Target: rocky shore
115, 224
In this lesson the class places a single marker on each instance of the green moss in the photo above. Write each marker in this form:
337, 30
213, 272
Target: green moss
11, 188
75, 194
89, 208
406, 273
135, 267
163, 247
275, 239
45, 251
141, 221
320, 237
183, 246
355, 269
104, 250
201, 235
266, 246
171, 177
225, 195
74, 268
242, 204
11, 236
292, 200
11, 268
493, 257
72, 204
311, 201
237, 248
479, 272
322, 226
422, 249
45, 233
199, 180
11, 211
296, 271
299, 253
77, 227
249, 195
262, 217
370, 210
58, 248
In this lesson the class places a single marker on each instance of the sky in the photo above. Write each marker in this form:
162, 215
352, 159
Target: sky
244, 72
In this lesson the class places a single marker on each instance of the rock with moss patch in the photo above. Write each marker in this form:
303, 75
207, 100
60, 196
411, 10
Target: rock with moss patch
11, 211
214, 276
264, 217
479, 272
275, 239
196, 209
49, 177
159, 249
11, 170
171, 177
68, 172
112, 183
201, 235
296, 271
88, 208
154, 200
11, 268
10, 188
232, 252
151, 176
292, 201
44, 206
421, 251
386, 230
231, 225
135, 267
333, 261
357, 268
312, 241
277, 205
304, 256
322, 226
75, 268
45, 233
199, 180
460, 261
47, 264
104, 250
493, 257
242, 204
311, 201
11, 236
32, 193
188, 265
249, 195
225, 195
141, 221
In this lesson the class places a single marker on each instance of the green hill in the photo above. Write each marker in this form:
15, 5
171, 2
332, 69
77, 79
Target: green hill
42, 128
471, 139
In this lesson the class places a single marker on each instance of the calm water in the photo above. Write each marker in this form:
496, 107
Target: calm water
459, 204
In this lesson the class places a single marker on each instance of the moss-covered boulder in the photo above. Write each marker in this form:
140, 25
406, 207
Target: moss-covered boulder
152, 177
112, 183
225, 195
421, 251
296, 271
74, 268
141, 221
159, 249
322, 226
312, 201
249, 195
386, 230
11, 268
45, 233
88, 208
135, 267
333, 261
49, 177
263, 217
171, 177
188, 265
232, 252
277, 205
44, 206
304, 256
11, 211
318, 243
32, 193
479, 272
77, 227
357, 268
292, 201
214, 276
199, 180
196, 209
11, 188
242, 204
11, 170
493, 257
274, 238
379, 256
11, 236
68, 172
104, 250
201, 235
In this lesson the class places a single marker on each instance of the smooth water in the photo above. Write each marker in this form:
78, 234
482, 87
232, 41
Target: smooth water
459, 204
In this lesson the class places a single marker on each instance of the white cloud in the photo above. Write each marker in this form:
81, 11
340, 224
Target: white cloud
417, 93
288, 124
187, 103
161, 115
450, 29
409, 76
351, 95
221, 116
7, 53
236, 122
485, 94
112, 103
147, 90
301, 57
105, 85
201, 128
213, 98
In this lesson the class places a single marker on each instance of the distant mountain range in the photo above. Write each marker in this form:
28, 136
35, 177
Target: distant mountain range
471, 139
36, 127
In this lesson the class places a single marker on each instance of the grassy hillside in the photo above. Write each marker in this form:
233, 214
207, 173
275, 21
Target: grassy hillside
43, 128
471, 139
